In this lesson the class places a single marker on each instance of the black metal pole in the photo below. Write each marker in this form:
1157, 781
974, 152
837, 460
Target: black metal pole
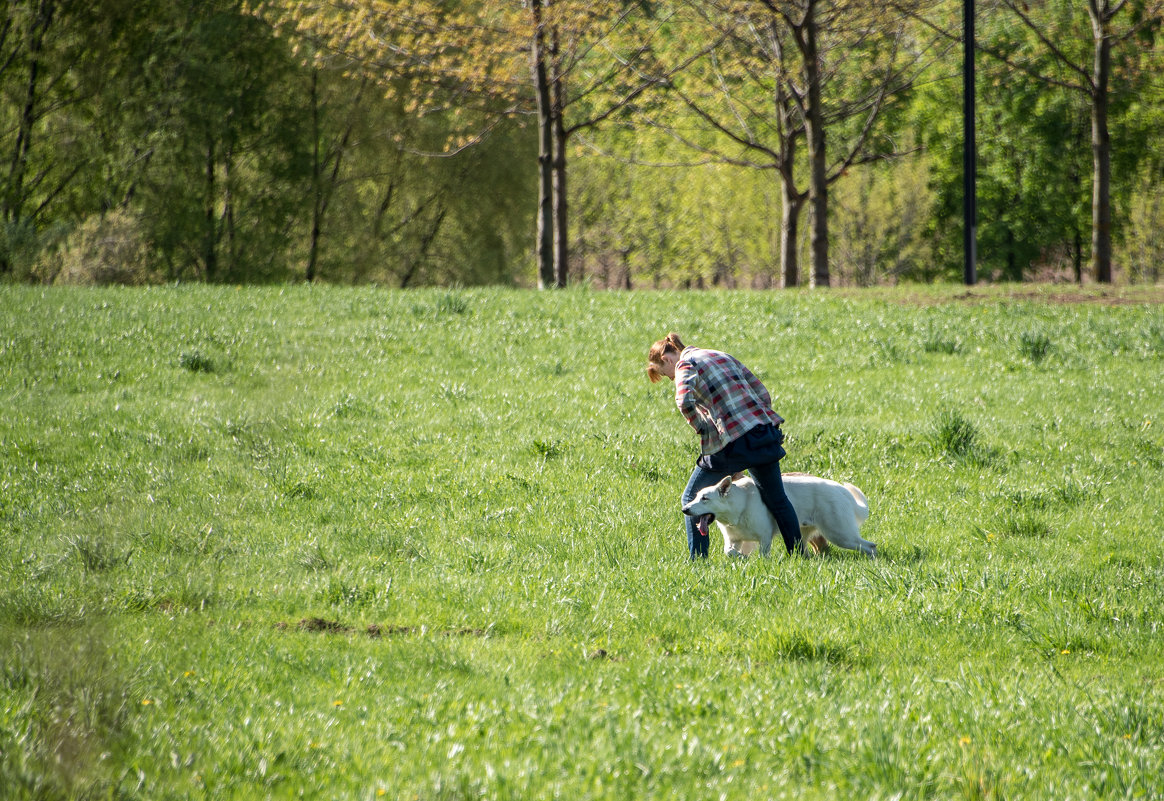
969, 155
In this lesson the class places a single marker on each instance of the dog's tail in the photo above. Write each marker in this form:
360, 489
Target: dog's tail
861, 509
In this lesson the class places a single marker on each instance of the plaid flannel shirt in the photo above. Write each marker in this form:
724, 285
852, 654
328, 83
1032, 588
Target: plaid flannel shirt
720, 397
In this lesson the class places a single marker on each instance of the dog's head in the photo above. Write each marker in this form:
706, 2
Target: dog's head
715, 502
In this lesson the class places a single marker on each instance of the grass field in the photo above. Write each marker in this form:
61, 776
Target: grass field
357, 544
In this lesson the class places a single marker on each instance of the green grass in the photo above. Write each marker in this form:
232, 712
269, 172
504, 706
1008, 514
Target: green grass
348, 543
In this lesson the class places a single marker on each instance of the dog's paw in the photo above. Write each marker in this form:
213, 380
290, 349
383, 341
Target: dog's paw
818, 544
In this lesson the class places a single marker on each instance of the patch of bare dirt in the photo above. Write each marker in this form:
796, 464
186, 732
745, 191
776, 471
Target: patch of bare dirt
1027, 293
321, 625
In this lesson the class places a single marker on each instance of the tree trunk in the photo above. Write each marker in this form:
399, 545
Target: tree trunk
415, 263
790, 126
561, 231
1077, 257
323, 186
227, 227
793, 202
814, 129
1101, 151
316, 181
1014, 271
209, 233
545, 216
13, 199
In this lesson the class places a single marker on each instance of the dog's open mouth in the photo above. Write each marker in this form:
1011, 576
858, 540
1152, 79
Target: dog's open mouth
704, 523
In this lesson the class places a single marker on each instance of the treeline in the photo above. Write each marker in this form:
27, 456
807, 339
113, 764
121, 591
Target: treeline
624, 143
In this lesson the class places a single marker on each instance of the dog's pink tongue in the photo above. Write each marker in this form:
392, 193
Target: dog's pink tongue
704, 524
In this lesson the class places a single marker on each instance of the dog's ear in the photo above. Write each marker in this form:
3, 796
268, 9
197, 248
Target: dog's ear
724, 485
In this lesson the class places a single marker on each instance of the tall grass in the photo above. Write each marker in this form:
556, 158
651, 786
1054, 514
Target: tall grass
350, 543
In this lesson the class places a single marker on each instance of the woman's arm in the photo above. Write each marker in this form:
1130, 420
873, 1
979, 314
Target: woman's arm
689, 396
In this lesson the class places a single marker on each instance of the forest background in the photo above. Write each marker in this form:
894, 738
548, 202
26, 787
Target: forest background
669, 143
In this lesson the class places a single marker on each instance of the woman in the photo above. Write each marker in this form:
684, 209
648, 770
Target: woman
738, 430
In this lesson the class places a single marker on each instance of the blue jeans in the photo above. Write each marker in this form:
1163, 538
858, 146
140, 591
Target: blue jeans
758, 451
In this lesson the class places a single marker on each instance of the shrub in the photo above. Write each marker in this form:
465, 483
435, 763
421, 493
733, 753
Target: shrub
1143, 247
20, 246
102, 250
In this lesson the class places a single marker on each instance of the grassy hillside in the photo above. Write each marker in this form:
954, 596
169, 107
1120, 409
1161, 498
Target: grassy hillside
349, 543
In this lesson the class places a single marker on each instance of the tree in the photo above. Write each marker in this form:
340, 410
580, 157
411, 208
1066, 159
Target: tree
1032, 171
175, 115
327, 160
40, 50
573, 63
1082, 51
879, 218
792, 72
228, 128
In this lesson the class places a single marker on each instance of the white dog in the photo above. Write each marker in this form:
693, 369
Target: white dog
824, 508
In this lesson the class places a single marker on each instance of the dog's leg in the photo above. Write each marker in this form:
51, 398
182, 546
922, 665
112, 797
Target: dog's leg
765, 543
728, 545
843, 530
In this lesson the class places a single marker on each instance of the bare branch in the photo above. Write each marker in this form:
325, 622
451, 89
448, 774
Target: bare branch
593, 147
1053, 49
646, 82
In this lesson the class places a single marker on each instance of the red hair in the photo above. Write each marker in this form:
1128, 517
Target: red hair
668, 344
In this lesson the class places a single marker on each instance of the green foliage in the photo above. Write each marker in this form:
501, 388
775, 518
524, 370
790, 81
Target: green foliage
200, 125
427, 543
237, 100
694, 226
103, 250
21, 244
1034, 124
1143, 245
878, 224
1029, 138
160, 140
